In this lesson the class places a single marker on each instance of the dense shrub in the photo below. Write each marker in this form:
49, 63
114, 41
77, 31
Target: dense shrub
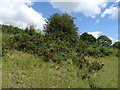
106, 51
99, 51
52, 50
95, 52
88, 68
116, 45
20, 41
11, 29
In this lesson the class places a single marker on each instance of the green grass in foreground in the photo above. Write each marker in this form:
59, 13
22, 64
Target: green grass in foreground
29, 71
25, 70
108, 76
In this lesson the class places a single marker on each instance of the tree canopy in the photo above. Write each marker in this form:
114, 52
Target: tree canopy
104, 41
61, 26
87, 37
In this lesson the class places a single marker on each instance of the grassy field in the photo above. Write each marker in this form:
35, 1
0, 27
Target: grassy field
108, 76
23, 70
26, 70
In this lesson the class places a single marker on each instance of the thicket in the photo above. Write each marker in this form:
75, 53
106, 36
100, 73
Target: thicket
59, 42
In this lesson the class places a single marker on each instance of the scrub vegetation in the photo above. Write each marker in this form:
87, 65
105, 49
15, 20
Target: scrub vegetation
57, 57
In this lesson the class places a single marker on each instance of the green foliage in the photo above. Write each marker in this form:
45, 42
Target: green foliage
11, 29
58, 50
93, 51
99, 51
104, 41
61, 26
88, 38
59, 44
54, 49
26, 42
106, 51
30, 30
88, 68
116, 45
18, 42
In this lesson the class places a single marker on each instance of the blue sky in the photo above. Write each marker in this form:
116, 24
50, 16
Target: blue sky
105, 26
97, 17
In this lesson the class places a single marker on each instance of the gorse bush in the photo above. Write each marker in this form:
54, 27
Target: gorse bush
26, 42
53, 50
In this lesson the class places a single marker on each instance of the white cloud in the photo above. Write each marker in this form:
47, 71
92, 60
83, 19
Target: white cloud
89, 8
96, 34
97, 21
117, 40
19, 13
117, 1
112, 12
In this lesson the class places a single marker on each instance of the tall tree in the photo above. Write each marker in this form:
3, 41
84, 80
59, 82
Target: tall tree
104, 41
61, 26
88, 37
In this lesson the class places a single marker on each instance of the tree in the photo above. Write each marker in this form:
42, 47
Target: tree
61, 26
87, 37
26, 29
30, 30
104, 41
116, 45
